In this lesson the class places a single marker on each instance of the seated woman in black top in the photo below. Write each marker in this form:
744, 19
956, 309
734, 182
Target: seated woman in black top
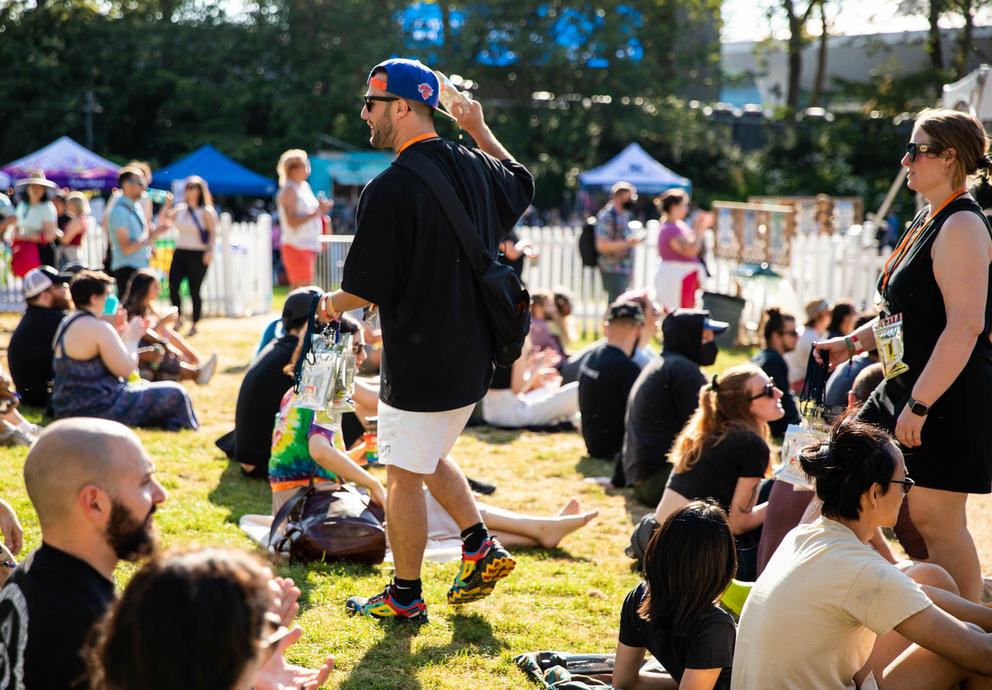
688, 564
722, 453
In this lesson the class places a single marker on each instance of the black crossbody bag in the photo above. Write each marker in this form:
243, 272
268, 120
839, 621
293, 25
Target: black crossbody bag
507, 300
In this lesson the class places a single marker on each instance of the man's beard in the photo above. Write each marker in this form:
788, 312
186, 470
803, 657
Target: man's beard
382, 134
129, 537
61, 302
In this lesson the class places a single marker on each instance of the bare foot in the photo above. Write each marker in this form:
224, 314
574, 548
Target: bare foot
571, 508
558, 528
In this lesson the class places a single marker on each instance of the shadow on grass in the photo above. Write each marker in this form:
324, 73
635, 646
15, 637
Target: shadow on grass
239, 494
490, 434
393, 657
235, 369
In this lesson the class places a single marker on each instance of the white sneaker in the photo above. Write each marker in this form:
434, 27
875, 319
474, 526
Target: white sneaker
206, 371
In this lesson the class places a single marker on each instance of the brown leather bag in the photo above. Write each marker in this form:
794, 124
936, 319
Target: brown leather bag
330, 525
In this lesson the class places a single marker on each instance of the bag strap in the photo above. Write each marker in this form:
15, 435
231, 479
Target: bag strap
287, 508
430, 174
204, 235
307, 343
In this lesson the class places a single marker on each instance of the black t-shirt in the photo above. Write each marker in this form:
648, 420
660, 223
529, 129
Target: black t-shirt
29, 353
715, 474
406, 257
261, 392
605, 380
663, 398
708, 643
47, 607
773, 364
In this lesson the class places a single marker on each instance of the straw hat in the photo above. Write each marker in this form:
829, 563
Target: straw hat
36, 177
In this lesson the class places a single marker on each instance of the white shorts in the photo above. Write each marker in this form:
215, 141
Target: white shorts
415, 441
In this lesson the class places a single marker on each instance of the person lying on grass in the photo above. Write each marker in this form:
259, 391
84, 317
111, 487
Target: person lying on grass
302, 447
689, 562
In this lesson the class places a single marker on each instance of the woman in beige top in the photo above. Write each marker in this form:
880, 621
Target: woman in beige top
196, 221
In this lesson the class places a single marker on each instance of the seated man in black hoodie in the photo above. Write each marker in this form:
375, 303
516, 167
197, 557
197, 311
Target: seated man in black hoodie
663, 398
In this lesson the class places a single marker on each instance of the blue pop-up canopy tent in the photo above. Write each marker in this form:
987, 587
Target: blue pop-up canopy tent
223, 175
635, 166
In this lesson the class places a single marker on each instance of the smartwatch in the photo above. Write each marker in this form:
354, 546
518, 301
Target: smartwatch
917, 408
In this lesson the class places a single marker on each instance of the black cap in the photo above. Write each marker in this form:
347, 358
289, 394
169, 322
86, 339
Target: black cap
297, 305
625, 310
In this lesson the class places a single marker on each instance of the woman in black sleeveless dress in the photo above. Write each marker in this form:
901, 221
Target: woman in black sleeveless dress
938, 281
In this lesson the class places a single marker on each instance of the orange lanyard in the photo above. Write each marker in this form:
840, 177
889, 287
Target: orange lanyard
907, 241
421, 137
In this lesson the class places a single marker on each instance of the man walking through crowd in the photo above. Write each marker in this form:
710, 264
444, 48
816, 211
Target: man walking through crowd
407, 259
615, 242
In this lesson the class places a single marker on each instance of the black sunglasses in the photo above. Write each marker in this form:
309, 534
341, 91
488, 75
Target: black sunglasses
913, 150
907, 484
768, 391
370, 100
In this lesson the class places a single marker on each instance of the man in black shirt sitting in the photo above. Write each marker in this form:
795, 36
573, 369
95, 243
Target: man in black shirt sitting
663, 398
263, 386
29, 353
605, 379
94, 489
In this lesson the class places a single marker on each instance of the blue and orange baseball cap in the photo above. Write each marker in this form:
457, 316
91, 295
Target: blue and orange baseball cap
409, 79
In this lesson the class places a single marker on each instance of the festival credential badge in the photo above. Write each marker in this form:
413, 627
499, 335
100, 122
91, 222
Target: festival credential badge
889, 344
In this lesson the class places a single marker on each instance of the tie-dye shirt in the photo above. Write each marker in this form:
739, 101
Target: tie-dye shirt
290, 464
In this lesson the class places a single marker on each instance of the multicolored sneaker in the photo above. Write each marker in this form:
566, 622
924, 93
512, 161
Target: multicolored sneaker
480, 571
384, 605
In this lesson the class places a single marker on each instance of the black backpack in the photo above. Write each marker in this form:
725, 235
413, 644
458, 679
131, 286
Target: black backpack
587, 243
507, 301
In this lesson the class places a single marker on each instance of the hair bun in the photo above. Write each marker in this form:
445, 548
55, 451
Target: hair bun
815, 459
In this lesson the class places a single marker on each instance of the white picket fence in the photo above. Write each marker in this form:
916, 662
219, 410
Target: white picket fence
828, 267
238, 282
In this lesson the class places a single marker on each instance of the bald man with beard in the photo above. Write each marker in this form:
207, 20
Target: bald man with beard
93, 486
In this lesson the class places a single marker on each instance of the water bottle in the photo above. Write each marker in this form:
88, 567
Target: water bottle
158, 196
450, 95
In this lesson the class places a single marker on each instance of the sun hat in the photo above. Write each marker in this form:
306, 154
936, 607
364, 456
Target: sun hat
410, 79
36, 177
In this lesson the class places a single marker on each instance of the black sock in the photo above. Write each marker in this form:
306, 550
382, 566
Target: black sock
406, 591
473, 537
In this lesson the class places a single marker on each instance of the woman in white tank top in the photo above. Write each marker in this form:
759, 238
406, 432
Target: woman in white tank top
299, 217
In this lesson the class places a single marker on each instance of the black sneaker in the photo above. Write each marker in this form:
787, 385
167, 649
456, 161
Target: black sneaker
480, 571
384, 605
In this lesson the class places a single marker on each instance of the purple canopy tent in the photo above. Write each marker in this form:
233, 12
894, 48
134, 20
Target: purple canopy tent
67, 164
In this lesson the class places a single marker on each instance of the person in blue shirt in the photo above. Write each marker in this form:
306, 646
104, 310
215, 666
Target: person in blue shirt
130, 230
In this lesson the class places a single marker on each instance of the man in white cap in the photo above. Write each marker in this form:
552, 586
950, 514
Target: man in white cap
29, 353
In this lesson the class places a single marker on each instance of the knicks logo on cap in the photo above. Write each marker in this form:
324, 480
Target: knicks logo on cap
426, 91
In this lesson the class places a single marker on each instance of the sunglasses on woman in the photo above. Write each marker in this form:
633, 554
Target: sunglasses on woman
769, 391
913, 150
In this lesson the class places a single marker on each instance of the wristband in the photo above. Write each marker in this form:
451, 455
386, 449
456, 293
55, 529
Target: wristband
853, 345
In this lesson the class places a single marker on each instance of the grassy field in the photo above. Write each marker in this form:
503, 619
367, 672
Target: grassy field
567, 598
